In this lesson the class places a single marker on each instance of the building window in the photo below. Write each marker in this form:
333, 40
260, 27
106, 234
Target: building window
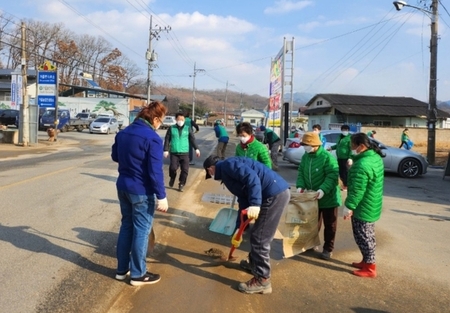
382, 123
319, 102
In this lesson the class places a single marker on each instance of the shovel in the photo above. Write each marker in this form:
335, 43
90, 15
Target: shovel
225, 220
236, 242
151, 242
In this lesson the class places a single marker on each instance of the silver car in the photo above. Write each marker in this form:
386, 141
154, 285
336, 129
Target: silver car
406, 163
104, 125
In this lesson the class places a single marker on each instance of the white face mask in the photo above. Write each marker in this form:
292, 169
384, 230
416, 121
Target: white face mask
308, 149
180, 123
355, 152
244, 139
345, 133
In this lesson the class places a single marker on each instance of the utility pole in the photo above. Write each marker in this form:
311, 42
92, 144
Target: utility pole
196, 70
24, 103
226, 100
151, 56
432, 108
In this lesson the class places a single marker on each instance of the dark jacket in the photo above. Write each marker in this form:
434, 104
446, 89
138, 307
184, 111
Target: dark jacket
249, 180
168, 138
138, 150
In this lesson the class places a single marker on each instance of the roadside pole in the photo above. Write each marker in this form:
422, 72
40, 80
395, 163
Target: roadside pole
24, 103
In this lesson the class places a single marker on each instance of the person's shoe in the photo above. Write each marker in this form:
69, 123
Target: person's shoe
326, 255
191, 163
122, 276
358, 265
171, 182
368, 270
180, 188
256, 285
245, 265
147, 279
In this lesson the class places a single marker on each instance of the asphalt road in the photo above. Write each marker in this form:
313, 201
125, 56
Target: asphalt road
59, 227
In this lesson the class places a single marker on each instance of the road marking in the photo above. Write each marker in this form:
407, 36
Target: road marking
37, 177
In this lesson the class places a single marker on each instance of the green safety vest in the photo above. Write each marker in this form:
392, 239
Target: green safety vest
274, 136
222, 132
187, 122
179, 144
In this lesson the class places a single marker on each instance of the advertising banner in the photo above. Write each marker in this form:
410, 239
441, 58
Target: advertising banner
276, 89
47, 89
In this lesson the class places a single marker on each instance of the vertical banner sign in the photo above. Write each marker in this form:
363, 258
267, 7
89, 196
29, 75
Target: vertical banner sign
13, 92
46, 91
276, 86
19, 91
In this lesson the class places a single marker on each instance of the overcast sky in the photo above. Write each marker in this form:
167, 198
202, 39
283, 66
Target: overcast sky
341, 46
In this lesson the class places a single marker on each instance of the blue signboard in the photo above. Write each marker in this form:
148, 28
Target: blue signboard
47, 78
46, 101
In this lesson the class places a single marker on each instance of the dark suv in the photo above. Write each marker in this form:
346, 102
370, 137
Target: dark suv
9, 117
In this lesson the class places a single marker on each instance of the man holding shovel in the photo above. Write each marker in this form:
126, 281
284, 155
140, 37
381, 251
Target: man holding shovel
265, 195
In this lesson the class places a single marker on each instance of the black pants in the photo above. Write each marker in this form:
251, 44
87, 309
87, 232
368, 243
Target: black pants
343, 170
179, 160
191, 153
329, 218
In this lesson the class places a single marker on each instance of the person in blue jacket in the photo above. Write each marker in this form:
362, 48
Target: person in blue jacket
264, 194
138, 150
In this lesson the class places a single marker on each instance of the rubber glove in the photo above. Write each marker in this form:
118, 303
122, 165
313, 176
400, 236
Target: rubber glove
197, 153
236, 243
166, 154
300, 190
349, 162
347, 213
320, 194
162, 205
253, 212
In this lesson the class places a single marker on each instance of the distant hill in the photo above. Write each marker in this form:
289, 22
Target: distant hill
445, 106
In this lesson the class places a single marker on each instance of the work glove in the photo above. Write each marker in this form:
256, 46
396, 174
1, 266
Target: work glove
349, 162
166, 154
347, 213
162, 205
253, 212
197, 153
300, 190
236, 243
320, 194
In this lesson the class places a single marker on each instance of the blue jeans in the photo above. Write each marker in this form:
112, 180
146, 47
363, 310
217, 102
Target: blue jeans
137, 219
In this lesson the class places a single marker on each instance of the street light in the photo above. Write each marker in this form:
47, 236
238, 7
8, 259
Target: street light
226, 99
196, 70
432, 110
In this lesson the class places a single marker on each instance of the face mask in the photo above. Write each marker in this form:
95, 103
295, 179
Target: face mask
355, 152
244, 139
180, 123
345, 133
308, 149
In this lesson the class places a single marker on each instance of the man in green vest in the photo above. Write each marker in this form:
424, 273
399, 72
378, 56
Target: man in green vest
274, 143
176, 143
222, 136
192, 125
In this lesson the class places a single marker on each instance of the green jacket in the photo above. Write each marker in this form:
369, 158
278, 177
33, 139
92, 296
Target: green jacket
365, 186
343, 147
270, 137
320, 170
256, 151
179, 144
405, 137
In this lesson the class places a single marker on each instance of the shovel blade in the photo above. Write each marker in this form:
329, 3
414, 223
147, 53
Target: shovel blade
224, 222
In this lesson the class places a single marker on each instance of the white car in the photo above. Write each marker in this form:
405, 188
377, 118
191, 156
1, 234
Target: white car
406, 163
168, 122
104, 125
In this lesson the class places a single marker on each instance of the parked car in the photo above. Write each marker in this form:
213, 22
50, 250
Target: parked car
104, 125
9, 117
406, 163
168, 121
